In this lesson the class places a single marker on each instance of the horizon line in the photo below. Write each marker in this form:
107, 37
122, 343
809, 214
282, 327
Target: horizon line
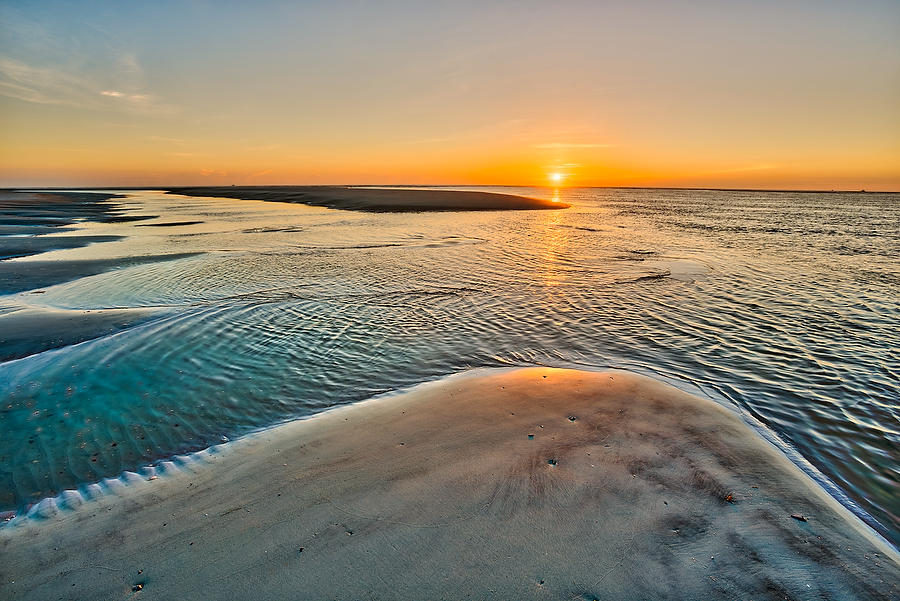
687, 188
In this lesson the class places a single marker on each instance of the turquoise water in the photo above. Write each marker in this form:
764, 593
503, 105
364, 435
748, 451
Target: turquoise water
782, 305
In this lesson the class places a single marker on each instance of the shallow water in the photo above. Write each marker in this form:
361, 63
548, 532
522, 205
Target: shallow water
783, 305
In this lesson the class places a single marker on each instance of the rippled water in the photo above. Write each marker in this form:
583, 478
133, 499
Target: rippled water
781, 304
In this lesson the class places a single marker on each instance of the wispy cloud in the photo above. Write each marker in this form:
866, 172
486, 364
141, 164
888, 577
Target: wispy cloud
41, 67
42, 85
138, 102
57, 86
559, 145
501, 128
258, 174
758, 167
166, 140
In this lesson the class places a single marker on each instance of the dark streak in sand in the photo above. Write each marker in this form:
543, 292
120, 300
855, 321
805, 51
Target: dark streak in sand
168, 224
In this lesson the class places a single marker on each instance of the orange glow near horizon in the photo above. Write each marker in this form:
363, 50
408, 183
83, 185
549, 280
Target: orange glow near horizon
114, 163
325, 94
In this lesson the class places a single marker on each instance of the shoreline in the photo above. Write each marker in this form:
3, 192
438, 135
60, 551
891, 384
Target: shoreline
171, 465
377, 200
445, 457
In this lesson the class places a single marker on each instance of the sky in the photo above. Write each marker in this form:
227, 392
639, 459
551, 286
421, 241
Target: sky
781, 94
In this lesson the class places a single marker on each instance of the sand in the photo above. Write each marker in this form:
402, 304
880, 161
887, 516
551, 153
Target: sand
514, 484
12, 247
377, 200
33, 274
60, 208
27, 331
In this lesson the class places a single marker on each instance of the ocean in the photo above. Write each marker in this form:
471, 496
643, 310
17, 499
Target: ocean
213, 318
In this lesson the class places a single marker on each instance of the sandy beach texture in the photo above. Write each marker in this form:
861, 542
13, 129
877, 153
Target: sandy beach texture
517, 484
377, 199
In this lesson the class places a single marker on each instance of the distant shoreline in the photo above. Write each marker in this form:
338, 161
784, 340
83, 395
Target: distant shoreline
377, 199
441, 186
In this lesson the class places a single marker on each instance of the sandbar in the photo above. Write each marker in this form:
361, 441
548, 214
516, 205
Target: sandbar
377, 199
532, 483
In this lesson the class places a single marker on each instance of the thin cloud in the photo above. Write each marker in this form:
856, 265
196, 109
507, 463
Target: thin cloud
259, 174
166, 140
41, 85
59, 85
501, 128
140, 102
558, 145
759, 167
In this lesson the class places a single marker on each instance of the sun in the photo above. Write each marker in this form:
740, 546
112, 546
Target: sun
556, 177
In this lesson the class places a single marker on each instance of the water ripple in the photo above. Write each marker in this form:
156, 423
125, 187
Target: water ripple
784, 305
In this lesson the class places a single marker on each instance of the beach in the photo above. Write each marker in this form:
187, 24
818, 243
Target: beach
378, 199
401, 301
527, 483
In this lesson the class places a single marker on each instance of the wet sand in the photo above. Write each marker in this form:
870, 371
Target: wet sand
60, 208
27, 331
522, 484
13, 246
377, 200
27, 222
27, 217
21, 276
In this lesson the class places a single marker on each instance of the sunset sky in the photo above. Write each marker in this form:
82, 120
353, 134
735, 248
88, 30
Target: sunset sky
720, 94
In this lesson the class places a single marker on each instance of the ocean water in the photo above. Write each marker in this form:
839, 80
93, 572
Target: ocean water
781, 305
